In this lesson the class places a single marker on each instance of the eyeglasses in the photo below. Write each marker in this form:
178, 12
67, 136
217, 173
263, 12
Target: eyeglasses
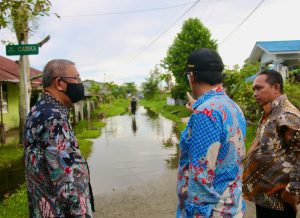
69, 77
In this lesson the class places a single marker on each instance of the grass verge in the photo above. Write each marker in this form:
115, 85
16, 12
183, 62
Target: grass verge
16, 205
117, 107
172, 112
10, 153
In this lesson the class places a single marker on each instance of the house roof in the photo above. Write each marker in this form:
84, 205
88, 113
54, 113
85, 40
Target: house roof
280, 46
274, 48
9, 72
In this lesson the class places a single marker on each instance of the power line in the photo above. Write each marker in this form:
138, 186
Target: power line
166, 30
135, 11
243, 21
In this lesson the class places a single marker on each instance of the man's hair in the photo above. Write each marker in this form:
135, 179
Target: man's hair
273, 77
54, 68
210, 77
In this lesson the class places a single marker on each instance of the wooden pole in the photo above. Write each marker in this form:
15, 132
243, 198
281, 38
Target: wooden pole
1, 112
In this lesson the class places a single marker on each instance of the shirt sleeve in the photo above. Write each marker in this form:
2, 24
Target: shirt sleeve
291, 131
60, 154
204, 145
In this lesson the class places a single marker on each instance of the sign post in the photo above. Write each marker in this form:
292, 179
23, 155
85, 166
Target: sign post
22, 49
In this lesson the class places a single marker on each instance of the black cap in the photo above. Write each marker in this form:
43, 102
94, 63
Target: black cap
204, 60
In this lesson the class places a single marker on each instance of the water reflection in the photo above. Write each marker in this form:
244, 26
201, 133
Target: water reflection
151, 114
125, 156
133, 124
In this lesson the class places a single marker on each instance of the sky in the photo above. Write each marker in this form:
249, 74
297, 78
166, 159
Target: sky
115, 47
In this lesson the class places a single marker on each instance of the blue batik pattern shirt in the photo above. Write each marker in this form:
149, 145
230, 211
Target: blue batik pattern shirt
212, 147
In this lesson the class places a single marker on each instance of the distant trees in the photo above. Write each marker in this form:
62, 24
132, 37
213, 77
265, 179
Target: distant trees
107, 91
151, 86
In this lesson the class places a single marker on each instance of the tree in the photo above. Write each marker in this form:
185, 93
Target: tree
21, 16
167, 77
150, 86
130, 87
193, 35
241, 91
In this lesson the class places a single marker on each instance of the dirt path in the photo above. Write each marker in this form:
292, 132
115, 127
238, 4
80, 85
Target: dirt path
155, 199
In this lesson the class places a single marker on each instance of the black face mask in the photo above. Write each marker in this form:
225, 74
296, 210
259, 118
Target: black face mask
75, 91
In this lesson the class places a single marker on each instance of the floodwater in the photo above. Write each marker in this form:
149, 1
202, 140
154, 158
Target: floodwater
132, 149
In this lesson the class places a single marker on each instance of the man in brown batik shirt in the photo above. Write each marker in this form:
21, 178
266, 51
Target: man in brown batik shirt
271, 176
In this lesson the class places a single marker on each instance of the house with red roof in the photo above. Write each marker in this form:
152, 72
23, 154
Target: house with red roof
9, 85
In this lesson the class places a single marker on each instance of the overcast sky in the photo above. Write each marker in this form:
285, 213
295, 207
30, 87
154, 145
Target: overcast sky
116, 47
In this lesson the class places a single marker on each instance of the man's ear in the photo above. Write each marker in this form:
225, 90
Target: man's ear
192, 77
277, 87
58, 83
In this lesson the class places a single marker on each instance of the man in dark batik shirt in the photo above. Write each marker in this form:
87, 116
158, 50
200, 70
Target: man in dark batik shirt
271, 177
57, 175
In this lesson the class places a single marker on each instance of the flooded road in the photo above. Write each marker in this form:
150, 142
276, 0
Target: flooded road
132, 149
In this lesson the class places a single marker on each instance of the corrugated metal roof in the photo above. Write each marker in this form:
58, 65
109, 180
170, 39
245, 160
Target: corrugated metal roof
9, 71
280, 46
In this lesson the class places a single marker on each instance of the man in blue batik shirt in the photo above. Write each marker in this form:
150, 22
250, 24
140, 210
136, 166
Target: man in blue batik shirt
212, 146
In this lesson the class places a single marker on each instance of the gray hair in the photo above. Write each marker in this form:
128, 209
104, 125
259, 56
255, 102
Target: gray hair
54, 68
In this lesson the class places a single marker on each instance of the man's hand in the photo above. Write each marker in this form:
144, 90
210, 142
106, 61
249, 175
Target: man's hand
191, 101
292, 200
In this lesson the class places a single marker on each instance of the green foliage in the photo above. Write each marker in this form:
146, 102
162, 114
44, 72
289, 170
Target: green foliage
150, 86
193, 35
110, 90
85, 147
21, 13
251, 131
10, 153
240, 91
16, 205
117, 107
88, 129
130, 87
292, 90
172, 112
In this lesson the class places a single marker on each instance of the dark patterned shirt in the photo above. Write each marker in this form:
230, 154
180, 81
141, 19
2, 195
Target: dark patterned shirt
273, 161
57, 175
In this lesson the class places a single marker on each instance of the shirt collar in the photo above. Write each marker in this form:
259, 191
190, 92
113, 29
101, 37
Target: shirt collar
51, 100
278, 101
207, 95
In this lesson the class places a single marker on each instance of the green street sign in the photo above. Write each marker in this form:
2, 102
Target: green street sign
23, 49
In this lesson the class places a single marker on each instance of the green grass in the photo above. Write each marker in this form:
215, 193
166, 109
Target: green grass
117, 107
88, 134
85, 147
88, 129
15, 206
10, 153
172, 112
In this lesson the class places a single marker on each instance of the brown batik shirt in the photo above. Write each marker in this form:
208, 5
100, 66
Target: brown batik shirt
273, 160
